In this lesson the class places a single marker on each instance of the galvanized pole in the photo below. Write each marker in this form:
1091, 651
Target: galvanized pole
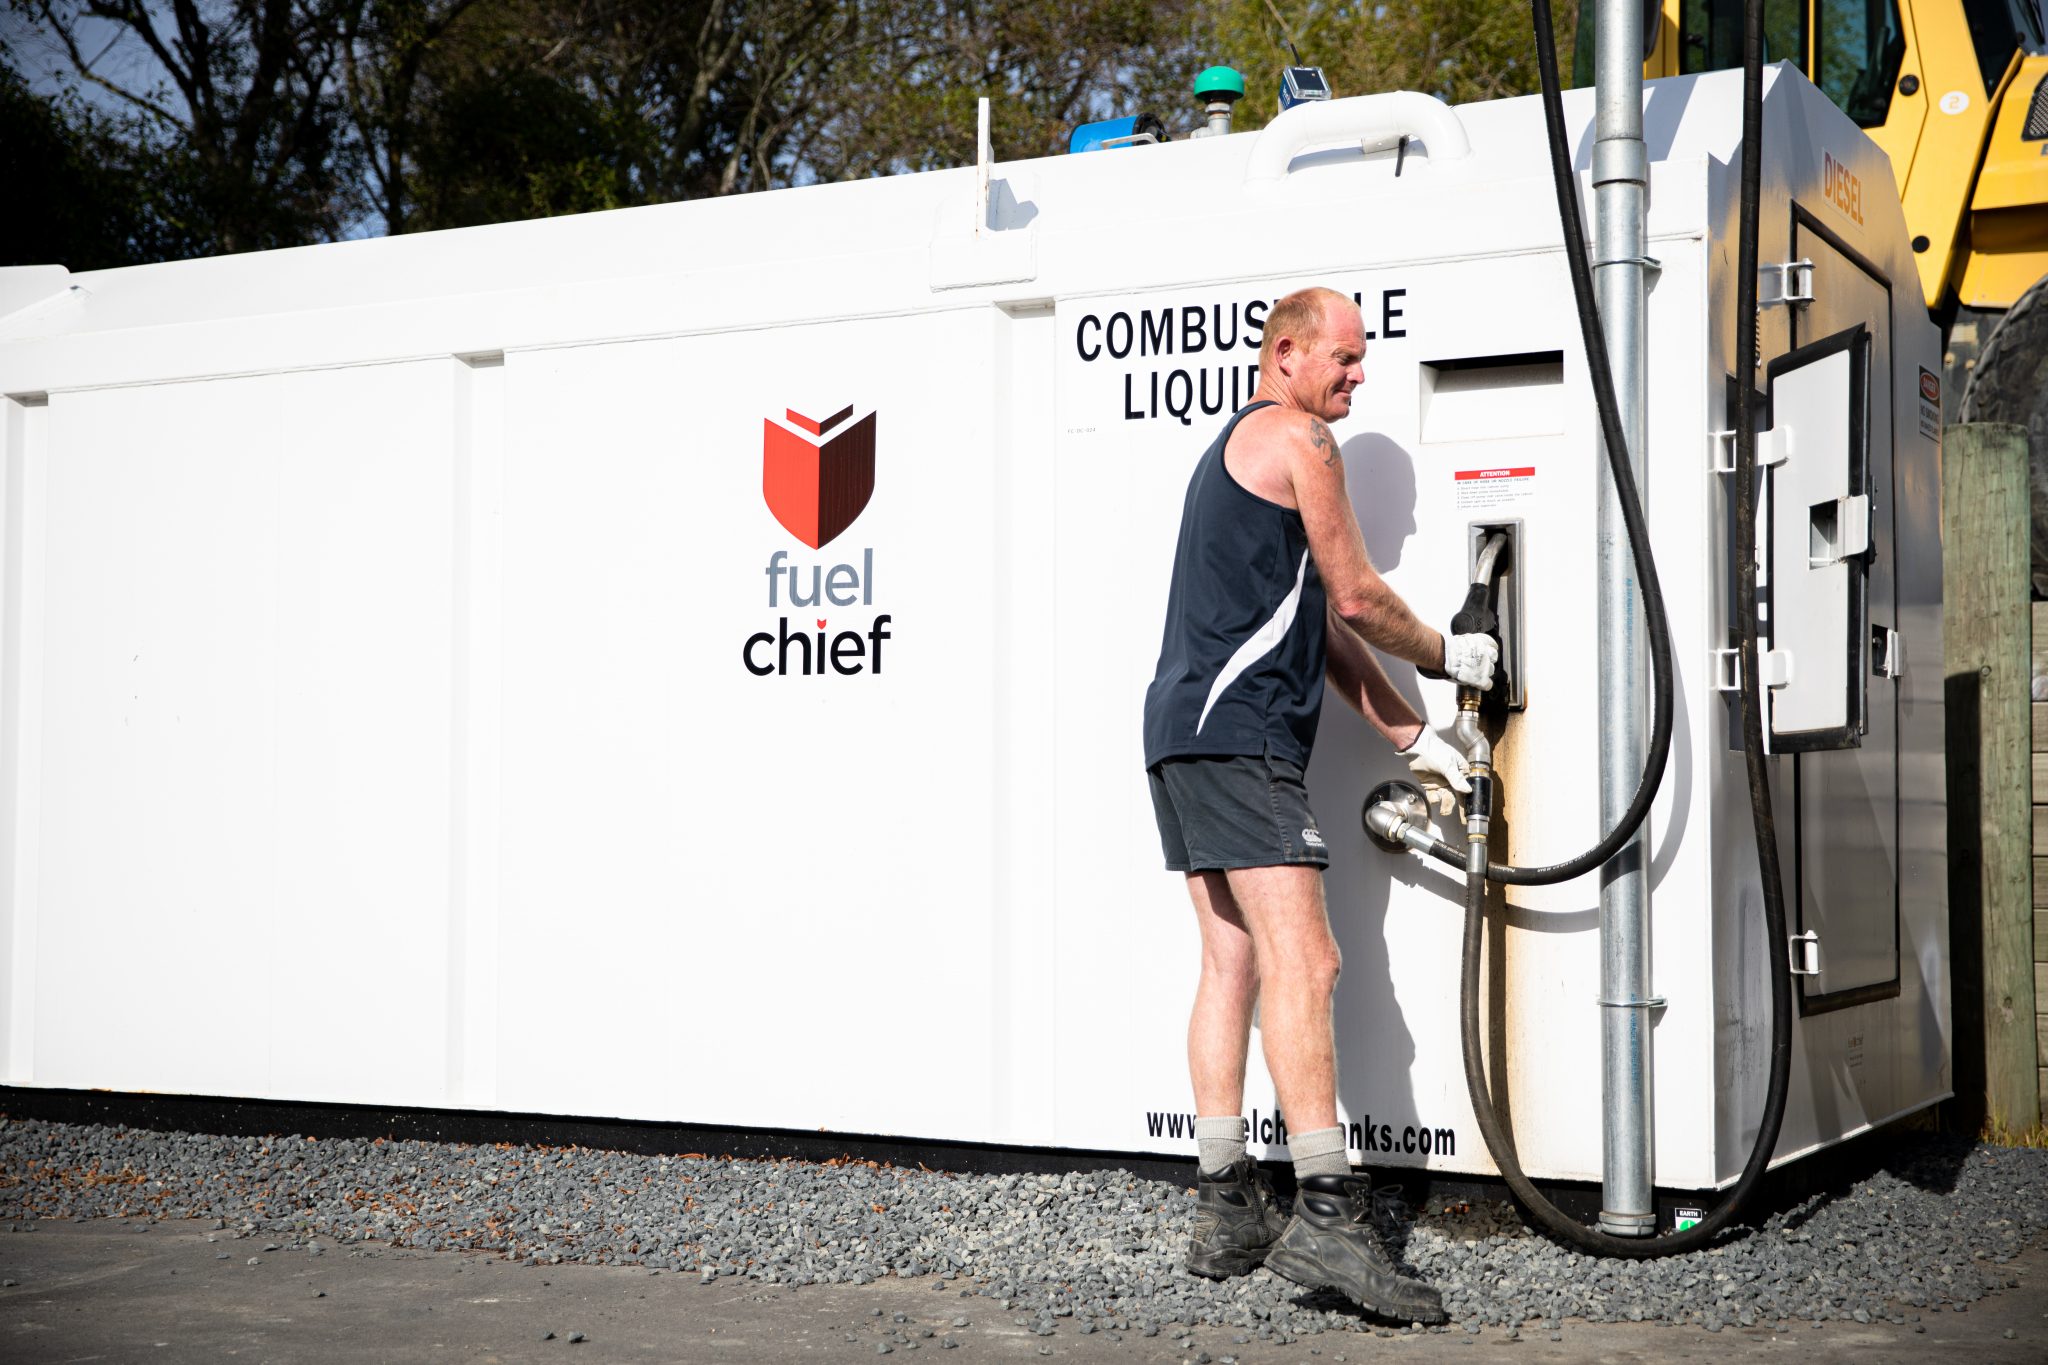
1620, 206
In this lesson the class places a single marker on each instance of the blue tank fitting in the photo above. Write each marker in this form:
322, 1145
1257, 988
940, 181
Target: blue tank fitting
1124, 132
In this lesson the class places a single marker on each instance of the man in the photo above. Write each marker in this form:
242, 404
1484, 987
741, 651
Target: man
1272, 590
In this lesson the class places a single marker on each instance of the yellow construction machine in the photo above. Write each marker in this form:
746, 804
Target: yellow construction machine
1956, 92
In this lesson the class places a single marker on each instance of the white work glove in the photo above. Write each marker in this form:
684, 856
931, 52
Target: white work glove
1432, 756
1469, 660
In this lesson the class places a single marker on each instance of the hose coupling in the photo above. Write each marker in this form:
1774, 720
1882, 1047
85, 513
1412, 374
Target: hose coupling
1478, 815
1383, 819
1392, 826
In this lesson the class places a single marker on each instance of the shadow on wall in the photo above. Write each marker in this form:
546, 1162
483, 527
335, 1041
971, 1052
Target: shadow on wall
1381, 477
1375, 1047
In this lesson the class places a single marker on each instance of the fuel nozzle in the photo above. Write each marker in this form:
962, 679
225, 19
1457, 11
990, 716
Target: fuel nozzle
1477, 617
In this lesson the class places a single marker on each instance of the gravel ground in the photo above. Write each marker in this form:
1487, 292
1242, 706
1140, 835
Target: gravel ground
1932, 1230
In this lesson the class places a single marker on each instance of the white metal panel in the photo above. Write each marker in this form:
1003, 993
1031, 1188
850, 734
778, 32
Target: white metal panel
1810, 580
25, 429
756, 887
1024, 774
359, 681
245, 734
476, 759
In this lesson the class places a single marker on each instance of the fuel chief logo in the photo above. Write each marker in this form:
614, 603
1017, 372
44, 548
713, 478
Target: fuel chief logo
817, 475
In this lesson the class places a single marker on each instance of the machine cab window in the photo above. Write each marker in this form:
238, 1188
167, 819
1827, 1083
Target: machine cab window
1852, 49
1710, 33
1858, 45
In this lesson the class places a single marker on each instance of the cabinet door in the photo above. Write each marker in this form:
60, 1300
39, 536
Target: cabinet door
1845, 760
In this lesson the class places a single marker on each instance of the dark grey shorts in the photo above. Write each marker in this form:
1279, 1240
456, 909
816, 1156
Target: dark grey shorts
1237, 811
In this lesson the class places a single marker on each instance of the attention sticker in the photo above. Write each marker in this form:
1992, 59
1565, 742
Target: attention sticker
1479, 488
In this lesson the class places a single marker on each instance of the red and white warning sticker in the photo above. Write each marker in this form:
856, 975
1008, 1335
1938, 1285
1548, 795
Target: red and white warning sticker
1494, 487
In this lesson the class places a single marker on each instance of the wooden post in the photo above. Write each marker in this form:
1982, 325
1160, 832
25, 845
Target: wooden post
2040, 709
1986, 637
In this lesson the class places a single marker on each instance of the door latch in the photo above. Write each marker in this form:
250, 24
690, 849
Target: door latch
1773, 446
1786, 282
1774, 664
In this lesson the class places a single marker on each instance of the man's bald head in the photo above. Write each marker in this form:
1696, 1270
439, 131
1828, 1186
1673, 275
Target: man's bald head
1299, 317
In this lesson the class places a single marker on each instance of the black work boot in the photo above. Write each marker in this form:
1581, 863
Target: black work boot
1330, 1244
1236, 1219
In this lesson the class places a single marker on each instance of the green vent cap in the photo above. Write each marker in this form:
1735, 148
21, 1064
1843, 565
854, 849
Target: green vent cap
1219, 82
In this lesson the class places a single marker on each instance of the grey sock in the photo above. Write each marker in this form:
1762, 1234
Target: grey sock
1221, 1141
1321, 1152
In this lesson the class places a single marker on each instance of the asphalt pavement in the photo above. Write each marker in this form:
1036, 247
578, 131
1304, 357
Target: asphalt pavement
130, 1290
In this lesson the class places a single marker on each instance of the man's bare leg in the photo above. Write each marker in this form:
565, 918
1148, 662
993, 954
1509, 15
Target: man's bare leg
1236, 1218
1298, 960
1219, 1029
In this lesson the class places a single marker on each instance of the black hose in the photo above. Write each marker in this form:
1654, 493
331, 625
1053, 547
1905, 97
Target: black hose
1498, 1141
1657, 624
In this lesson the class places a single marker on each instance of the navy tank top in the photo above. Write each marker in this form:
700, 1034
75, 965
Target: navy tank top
1241, 665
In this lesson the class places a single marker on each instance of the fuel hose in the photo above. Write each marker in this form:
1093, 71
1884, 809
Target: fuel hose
1499, 1142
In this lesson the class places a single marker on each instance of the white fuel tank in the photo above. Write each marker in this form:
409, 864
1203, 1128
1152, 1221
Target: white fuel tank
685, 663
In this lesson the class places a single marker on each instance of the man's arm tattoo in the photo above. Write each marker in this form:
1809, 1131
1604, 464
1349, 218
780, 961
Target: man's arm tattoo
1325, 443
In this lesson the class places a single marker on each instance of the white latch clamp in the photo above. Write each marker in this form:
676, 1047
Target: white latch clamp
1806, 954
1786, 282
1888, 652
1726, 670
1773, 446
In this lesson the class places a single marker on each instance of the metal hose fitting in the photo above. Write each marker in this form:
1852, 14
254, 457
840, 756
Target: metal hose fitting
1391, 823
1479, 764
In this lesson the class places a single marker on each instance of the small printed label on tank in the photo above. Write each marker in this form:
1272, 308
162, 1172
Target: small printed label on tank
1930, 405
1681, 1219
1479, 488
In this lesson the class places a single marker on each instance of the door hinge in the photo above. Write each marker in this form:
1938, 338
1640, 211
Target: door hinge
1887, 652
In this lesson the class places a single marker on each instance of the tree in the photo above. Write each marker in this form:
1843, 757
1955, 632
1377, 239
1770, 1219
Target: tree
386, 48
275, 122
904, 94
246, 91
528, 107
89, 192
